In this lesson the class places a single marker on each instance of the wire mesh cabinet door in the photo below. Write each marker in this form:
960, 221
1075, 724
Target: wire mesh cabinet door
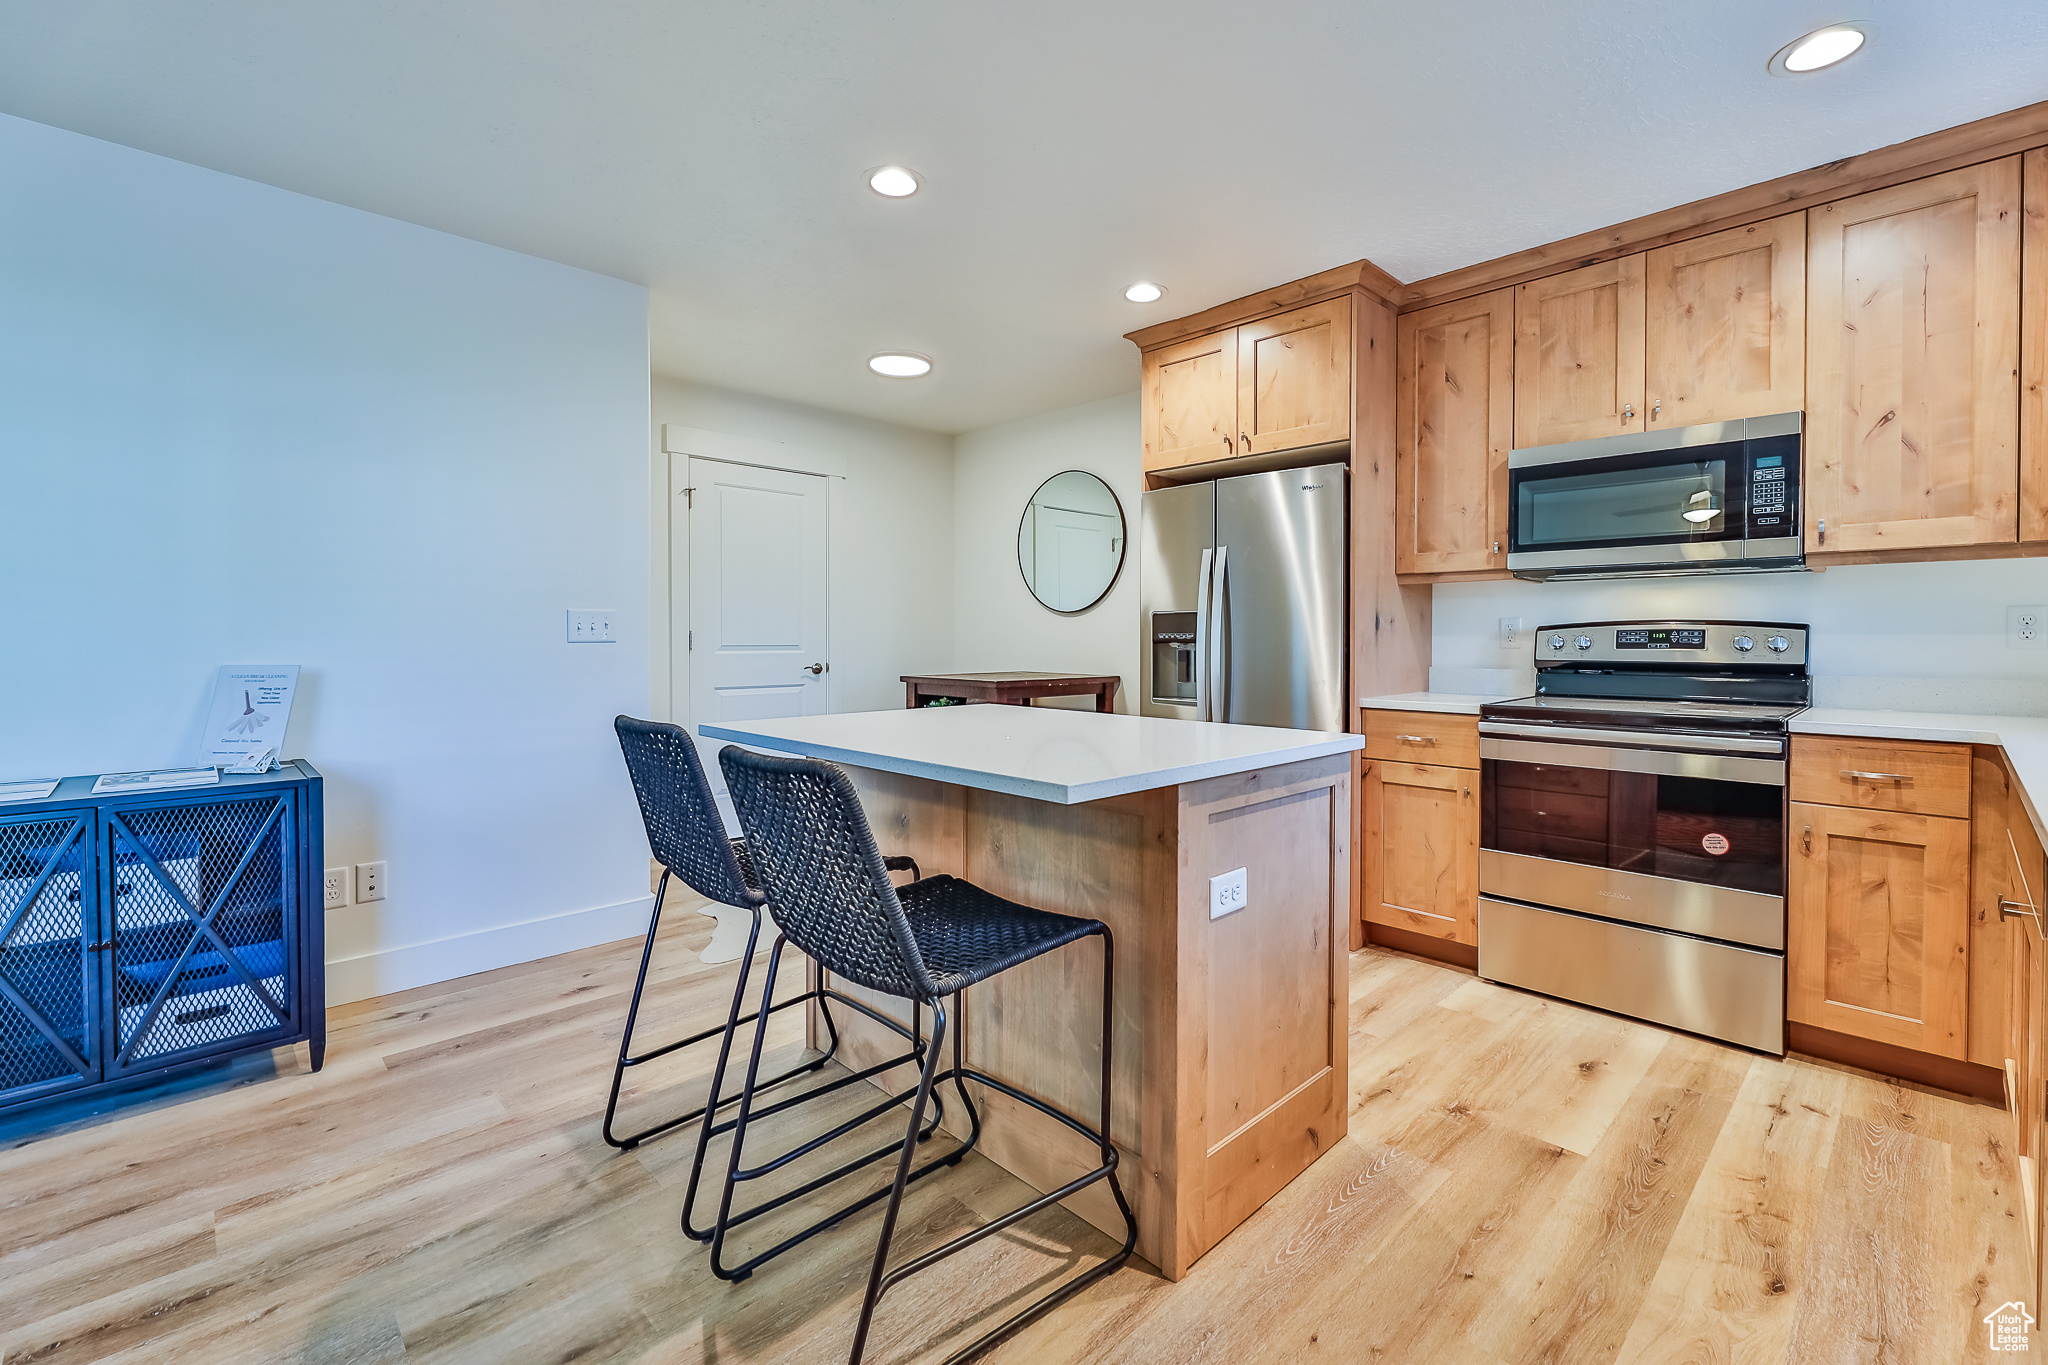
49, 1000
204, 954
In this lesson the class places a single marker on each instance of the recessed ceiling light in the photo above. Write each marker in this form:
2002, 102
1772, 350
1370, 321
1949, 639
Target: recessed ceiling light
899, 364
1821, 48
1143, 292
897, 182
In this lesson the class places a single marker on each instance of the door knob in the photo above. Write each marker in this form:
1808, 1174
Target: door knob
814, 668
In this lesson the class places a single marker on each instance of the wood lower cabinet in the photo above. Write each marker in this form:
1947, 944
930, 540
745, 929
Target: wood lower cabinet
1579, 354
1190, 395
1280, 383
1912, 437
1725, 325
1421, 849
1454, 415
1877, 916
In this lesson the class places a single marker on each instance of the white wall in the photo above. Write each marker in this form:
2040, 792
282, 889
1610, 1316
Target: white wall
1902, 636
998, 624
239, 425
892, 596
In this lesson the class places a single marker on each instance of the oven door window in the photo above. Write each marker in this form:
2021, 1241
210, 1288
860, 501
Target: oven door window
1707, 830
1649, 499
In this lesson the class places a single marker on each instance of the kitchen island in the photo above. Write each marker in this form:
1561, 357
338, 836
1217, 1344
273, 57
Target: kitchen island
1230, 1036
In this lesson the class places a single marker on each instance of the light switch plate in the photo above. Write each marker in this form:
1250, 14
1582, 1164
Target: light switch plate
1228, 894
591, 626
369, 882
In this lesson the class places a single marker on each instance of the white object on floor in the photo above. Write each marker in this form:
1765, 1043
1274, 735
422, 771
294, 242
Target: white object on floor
729, 939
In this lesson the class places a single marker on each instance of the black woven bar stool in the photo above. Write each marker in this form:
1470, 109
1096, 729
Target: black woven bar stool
831, 895
687, 837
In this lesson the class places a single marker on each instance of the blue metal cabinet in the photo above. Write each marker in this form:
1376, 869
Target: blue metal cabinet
143, 935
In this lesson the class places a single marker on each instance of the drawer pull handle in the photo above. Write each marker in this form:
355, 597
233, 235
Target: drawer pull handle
1416, 739
2008, 909
1877, 777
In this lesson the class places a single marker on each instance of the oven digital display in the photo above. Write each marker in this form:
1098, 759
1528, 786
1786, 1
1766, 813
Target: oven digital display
1660, 639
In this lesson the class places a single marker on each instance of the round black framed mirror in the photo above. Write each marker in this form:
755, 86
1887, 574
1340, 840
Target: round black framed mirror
1071, 541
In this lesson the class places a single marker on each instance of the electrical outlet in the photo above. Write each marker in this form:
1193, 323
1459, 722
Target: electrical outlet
1228, 894
1510, 632
336, 884
369, 882
591, 626
2023, 627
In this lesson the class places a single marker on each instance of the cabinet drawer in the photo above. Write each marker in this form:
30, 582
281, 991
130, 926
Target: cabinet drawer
1866, 774
1427, 737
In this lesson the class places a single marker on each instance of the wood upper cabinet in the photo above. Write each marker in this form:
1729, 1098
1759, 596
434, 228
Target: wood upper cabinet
1877, 938
1579, 354
1421, 852
1725, 325
1294, 379
1276, 384
1913, 364
2034, 350
1191, 401
1454, 414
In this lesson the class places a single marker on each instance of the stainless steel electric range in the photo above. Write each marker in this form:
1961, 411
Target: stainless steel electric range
1632, 823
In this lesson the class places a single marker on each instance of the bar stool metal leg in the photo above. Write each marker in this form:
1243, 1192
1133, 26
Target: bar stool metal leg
627, 1058
880, 1283
736, 1172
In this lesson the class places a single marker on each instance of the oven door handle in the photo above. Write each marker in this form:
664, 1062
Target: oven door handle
1763, 772
1636, 739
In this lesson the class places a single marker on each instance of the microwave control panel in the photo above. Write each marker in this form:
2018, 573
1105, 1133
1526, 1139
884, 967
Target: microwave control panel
1773, 487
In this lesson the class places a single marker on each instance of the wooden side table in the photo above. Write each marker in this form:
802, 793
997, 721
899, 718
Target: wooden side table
1010, 688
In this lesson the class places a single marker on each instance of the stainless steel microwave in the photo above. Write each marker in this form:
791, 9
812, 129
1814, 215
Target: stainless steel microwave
1714, 498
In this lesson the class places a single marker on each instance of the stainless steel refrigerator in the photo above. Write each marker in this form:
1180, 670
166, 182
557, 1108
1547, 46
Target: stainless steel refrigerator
1242, 581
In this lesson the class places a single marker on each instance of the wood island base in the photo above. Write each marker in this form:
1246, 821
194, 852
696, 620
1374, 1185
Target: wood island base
1230, 1038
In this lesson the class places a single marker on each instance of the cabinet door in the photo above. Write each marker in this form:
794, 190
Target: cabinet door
1913, 364
1579, 354
1877, 926
1294, 379
1422, 849
48, 918
1454, 410
2034, 350
1191, 401
1997, 967
1725, 325
204, 906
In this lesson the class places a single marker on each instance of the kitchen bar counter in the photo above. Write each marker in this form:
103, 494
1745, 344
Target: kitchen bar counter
1046, 754
1230, 1035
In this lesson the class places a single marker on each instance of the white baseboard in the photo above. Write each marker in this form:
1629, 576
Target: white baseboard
423, 964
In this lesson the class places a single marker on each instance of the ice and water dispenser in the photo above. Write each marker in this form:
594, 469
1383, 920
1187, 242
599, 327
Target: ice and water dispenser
1173, 656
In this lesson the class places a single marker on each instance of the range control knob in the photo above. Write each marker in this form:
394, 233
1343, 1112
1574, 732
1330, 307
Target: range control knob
1584, 642
1557, 642
1743, 644
1777, 644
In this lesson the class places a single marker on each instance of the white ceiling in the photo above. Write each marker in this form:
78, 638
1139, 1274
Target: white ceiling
715, 152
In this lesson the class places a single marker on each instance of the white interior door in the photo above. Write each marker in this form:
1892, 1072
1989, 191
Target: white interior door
1074, 555
758, 644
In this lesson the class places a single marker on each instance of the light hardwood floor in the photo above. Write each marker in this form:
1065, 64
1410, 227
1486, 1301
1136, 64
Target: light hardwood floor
1523, 1182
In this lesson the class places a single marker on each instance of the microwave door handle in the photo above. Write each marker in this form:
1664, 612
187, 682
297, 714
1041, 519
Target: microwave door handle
1219, 636
1202, 580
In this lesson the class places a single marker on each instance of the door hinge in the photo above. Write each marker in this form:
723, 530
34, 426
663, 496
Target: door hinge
693, 642
1823, 530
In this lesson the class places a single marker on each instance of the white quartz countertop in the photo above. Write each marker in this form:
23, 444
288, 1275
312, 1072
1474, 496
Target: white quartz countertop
2024, 739
1450, 703
1046, 753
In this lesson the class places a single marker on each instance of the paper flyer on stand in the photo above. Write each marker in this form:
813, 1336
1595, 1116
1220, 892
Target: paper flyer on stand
252, 705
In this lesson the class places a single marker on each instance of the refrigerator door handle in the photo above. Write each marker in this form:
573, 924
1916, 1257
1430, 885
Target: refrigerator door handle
1219, 637
1202, 580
